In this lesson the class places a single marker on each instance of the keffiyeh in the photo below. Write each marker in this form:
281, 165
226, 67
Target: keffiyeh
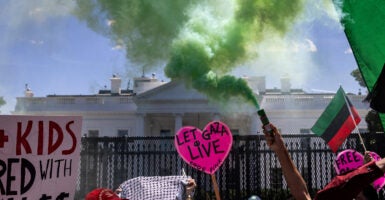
153, 187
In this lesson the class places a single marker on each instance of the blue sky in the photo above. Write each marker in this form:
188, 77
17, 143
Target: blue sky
43, 45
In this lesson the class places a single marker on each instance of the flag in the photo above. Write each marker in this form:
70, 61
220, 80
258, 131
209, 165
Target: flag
337, 121
376, 97
364, 26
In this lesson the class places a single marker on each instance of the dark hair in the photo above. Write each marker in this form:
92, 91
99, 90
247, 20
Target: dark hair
370, 193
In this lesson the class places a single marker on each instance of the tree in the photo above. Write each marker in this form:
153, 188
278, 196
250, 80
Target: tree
372, 119
2, 101
358, 77
373, 122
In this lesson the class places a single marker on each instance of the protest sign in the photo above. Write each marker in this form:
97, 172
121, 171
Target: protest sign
348, 160
39, 157
204, 150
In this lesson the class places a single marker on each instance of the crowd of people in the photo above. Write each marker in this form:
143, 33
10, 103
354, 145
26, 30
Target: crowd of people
355, 184
348, 186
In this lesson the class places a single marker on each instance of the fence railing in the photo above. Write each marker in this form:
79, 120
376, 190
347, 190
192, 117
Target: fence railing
250, 168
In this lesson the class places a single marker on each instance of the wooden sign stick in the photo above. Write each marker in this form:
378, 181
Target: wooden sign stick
216, 188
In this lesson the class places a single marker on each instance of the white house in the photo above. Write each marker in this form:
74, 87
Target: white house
156, 108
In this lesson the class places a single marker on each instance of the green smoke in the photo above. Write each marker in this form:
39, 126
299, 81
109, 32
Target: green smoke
206, 49
146, 28
201, 41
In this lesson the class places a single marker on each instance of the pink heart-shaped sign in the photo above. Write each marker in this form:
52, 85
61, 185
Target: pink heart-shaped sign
204, 150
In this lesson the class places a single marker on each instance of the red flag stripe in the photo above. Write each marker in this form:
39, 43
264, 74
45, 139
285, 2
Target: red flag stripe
345, 130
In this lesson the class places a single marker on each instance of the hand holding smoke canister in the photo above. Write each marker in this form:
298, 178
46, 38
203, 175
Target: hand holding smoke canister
265, 121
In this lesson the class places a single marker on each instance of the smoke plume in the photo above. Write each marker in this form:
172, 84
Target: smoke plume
201, 40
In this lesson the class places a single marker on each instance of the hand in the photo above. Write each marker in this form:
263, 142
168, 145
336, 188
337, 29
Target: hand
274, 140
118, 190
368, 157
191, 185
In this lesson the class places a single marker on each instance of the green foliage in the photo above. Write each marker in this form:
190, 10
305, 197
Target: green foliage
358, 77
372, 119
2, 101
373, 122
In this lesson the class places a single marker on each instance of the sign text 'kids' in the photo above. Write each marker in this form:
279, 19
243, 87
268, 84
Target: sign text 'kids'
39, 157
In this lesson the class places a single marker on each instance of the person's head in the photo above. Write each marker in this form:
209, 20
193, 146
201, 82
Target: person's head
368, 193
102, 194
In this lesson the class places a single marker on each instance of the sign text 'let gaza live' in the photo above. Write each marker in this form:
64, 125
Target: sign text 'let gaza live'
204, 150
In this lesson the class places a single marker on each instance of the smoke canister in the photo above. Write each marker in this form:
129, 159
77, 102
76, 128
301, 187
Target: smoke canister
265, 121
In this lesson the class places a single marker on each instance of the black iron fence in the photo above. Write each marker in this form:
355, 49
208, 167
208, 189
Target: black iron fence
250, 169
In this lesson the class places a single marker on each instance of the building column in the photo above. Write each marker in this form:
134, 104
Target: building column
140, 124
178, 121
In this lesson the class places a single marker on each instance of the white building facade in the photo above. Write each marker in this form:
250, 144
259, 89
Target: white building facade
156, 108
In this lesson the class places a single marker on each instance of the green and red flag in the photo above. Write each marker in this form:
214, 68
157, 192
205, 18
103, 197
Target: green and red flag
364, 26
337, 121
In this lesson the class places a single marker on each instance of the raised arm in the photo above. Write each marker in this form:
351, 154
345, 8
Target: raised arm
294, 180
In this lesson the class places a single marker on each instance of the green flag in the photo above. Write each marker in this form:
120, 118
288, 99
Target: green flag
338, 120
364, 26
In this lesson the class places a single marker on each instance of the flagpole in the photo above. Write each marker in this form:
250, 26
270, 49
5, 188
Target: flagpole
354, 121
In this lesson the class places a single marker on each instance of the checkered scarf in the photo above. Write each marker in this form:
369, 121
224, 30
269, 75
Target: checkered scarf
153, 187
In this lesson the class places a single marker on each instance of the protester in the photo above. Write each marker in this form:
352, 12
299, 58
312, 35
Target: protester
102, 194
158, 187
350, 185
342, 187
369, 192
189, 187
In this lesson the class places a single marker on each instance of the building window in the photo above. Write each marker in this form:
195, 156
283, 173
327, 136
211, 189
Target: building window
94, 100
305, 141
93, 133
124, 100
165, 132
37, 101
164, 146
234, 131
122, 133
66, 100
304, 131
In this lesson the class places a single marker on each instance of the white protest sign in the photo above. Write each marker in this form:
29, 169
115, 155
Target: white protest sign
39, 157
